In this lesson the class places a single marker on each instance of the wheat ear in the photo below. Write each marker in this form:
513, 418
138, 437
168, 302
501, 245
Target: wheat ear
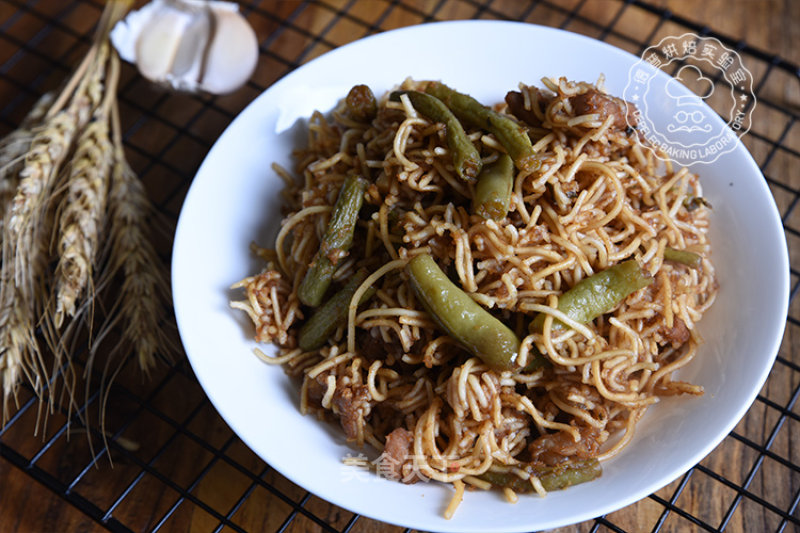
13, 148
23, 259
83, 207
24, 245
144, 294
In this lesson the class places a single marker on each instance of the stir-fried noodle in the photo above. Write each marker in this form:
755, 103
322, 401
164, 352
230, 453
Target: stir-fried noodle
396, 380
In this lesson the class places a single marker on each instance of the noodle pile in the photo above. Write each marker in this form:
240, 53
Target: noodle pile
396, 381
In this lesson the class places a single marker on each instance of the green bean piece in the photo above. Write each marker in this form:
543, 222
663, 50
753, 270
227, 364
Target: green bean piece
461, 317
337, 239
683, 257
361, 103
509, 133
466, 158
536, 361
552, 477
598, 294
692, 202
493, 190
570, 473
332, 313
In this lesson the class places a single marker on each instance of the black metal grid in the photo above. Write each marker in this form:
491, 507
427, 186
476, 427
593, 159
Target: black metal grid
189, 467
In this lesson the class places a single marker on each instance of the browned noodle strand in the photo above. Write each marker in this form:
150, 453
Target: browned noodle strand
598, 199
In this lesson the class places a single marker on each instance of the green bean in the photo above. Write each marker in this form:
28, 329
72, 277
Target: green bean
683, 257
461, 317
537, 361
570, 473
466, 158
509, 133
361, 103
337, 239
493, 190
332, 313
692, 202
552, 477
598, 294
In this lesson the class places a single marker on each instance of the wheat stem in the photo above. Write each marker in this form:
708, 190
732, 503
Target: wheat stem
112, 13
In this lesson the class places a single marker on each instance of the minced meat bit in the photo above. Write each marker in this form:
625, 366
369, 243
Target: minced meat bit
594, 101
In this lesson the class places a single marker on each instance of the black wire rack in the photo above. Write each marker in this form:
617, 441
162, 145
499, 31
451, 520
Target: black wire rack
176, 463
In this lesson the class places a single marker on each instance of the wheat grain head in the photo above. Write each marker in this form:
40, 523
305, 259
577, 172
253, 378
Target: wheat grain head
144, 289
24, 235
13, 148
83, 208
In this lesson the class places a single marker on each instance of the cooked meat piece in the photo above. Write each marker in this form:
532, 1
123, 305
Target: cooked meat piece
677, 334
373, 348
555, 448
316, 388
395, 454
594, 101
352, 404
516, 104
440, 245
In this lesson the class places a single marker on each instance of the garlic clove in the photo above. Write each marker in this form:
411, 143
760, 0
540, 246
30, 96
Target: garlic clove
188, 59
159, 41
189, 45
232, 53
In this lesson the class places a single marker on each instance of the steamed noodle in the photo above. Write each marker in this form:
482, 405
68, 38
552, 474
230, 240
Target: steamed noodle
599, 198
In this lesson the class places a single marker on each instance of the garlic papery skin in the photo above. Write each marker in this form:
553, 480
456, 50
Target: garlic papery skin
189, 45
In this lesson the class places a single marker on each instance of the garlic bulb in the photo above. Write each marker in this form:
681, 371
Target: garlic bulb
189, 45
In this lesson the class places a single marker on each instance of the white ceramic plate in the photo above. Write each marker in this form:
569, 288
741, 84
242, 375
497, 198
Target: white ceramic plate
234, 200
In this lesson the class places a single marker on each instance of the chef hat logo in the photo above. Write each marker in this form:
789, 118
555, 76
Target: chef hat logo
691, 113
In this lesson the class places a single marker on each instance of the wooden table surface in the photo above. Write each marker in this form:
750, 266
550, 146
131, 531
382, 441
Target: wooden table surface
188, 471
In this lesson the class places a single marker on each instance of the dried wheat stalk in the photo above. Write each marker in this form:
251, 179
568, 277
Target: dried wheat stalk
24, 247
14, 147
144, 294
25, 231
83, 207
72, 187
